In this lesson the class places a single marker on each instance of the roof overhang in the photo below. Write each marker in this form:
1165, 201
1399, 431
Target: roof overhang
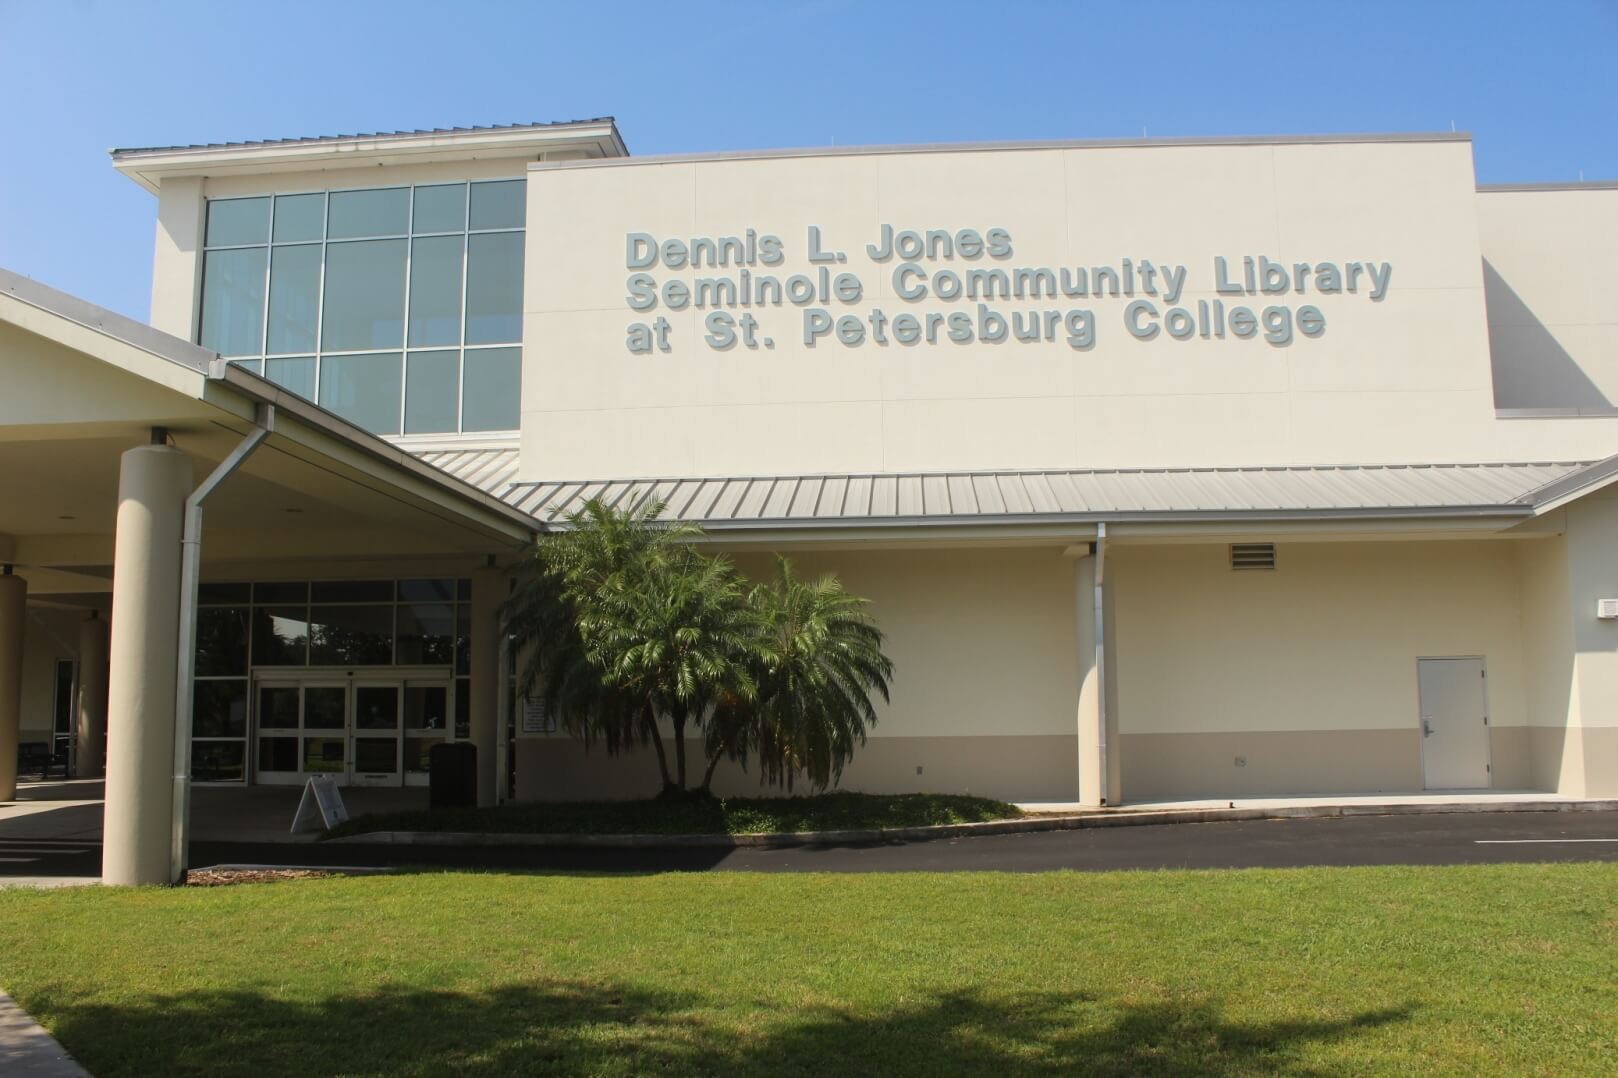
208, 403
1052, 504
588, 139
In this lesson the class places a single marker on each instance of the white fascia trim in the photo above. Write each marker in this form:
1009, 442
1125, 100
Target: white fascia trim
981, 147
1570, 488
91, 340
149, 167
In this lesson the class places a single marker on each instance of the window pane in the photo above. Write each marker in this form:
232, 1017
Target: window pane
498, 205
492, 388
432, 590
369, 213
294, 298
351, 591
323, 754
364, 296
234, 221
300, 217
463, 708
440, 209
296, 374
219, 761
494, 288
435, 290
224, 593
430, 392
280, 636
221, 641
219, 709
376, 707
233, 301
463, 639
278, 754
376, 756
278, 707
351, 636
324, 707
363, 389
281, 592
426, 707
418, 752
426, 633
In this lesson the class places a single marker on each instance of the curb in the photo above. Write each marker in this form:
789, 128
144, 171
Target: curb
1027, 825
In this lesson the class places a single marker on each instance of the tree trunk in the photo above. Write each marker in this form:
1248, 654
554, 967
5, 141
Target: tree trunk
707, 776
657, 743
679, 749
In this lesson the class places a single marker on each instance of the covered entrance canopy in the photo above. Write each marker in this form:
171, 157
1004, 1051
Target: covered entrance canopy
107, 427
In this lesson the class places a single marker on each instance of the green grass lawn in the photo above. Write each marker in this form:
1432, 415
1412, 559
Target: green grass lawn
1467, 970
698, 816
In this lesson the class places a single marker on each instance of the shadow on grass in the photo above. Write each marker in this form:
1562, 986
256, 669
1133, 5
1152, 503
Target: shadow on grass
565, 1027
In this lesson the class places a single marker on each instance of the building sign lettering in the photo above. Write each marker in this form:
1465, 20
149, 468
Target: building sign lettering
964, 287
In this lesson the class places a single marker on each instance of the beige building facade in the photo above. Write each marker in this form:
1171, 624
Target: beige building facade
1172, 468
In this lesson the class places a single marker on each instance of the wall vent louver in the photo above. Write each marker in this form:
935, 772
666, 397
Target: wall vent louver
1252, 555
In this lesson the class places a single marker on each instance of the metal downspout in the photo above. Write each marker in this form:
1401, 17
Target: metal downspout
190, 571
1101, 658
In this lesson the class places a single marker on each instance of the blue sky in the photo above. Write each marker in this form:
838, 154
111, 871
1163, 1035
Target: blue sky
1535, 81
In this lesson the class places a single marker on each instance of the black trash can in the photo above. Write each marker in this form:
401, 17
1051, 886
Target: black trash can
452, 775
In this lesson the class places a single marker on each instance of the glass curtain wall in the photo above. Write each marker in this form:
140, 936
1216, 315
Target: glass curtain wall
398, 308
349, 624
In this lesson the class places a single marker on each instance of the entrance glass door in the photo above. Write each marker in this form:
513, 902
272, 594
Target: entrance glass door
365, 732
426, 723
375, 735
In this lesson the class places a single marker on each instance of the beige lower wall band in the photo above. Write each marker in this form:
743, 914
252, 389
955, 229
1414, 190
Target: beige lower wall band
1043, 768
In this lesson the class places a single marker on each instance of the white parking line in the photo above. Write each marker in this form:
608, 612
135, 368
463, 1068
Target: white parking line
1531, 841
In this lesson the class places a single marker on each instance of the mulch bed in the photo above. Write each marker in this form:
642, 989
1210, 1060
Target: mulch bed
214, 877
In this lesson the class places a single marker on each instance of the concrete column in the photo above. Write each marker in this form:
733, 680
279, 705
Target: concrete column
485, 676
13, 618
1091, 787
90, 726
152, 487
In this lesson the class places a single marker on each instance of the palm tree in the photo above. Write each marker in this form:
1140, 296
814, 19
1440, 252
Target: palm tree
817, 658
620, 621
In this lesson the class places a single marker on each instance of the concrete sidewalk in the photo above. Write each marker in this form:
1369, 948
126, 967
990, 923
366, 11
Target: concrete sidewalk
27, 1051
72, 809
1412, 801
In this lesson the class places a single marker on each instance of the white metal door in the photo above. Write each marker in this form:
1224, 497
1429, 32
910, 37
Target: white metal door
1454, 724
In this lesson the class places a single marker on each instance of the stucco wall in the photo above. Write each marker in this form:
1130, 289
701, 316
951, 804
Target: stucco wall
51, 634
1549, 263
1307, 673
1592, 540
984, 692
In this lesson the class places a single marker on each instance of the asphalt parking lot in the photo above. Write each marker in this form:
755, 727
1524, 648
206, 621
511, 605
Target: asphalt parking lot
1426, 839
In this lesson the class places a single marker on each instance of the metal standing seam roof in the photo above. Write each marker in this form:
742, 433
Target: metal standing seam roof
1062, 494
316, 139
491, 470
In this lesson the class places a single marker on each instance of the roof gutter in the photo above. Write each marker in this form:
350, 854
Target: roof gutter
190, 574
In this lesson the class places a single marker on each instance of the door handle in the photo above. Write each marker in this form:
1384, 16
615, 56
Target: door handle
1426, 728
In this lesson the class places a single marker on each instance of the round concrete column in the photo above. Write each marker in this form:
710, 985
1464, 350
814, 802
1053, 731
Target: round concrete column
13, 615
1092, 786
485, 672
152, 487
90, 725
